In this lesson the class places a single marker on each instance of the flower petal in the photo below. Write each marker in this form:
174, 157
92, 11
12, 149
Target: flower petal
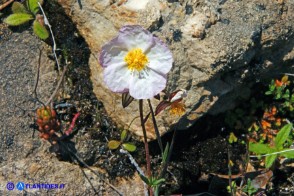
113, 52
141, 85
178, 95
147, 87
135, 36
117, 77
160, 57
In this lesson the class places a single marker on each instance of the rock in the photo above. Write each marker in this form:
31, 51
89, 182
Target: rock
220, 48
46, 169
24, 157
19, 56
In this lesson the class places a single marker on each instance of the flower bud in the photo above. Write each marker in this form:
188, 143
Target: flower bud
46, 127
46, 119
40, 128
46, 136
53, 113
51, 132
39, 122
178, 95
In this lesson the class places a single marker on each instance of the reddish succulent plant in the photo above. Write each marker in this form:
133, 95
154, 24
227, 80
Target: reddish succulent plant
47, 122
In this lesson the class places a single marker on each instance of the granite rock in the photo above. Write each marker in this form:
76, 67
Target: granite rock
220, 48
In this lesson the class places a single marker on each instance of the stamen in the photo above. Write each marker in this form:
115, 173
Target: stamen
136, 60
177, 108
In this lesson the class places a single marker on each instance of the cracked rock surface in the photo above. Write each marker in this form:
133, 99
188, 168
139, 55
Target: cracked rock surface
220, 48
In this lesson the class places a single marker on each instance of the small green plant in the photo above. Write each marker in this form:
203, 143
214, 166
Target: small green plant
279, 89
249, 188
22, 14
280, 146
114, 144
233, 188
152, 181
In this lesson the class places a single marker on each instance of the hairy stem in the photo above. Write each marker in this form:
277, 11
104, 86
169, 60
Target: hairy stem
155, 127
57, 87
148, 163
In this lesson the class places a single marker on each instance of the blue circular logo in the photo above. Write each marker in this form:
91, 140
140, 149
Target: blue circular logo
10, 186
20, 186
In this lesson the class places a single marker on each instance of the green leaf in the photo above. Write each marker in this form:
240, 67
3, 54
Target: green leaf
269, 160
146, 180
18, 7
157, 182
18, 19
289, 154
282, 135
113, 144
129, 147
268, 93
286, 103
292, 98
287, 94
278, 95
259, 148
123, 135
33, 5
249, 188
165, 153
232, 138
40, 30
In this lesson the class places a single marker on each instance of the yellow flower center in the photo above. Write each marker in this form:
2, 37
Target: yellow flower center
136, 60
177, 108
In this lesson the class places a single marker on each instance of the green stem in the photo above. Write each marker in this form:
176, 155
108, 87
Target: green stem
165, 164
155, 127
230, 172
148, 163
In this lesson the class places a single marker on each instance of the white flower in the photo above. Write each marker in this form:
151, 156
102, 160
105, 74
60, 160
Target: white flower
136, 62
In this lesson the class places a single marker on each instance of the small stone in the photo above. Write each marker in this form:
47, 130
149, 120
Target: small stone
177, 35
9, 140
260, 7
225, 21
189, 9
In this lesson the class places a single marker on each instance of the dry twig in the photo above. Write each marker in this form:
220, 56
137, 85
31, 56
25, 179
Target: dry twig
4, 5
58, 85
52, 35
